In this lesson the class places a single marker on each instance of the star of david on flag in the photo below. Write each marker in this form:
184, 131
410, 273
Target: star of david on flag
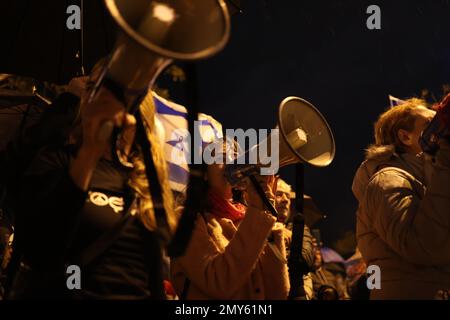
172, 128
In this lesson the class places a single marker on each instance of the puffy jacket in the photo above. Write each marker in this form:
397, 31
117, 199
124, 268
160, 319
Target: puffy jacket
228, 261
403, 221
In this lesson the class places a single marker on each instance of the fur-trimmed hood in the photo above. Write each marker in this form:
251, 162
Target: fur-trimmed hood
380, 153
376, 156
386, 156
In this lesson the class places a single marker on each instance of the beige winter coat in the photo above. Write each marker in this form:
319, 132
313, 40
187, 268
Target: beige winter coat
403, 222
225, 261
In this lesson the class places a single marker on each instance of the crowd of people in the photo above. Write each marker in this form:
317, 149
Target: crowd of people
67, 199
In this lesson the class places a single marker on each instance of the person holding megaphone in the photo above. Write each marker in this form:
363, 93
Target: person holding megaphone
228, 256
80, 206
404, 204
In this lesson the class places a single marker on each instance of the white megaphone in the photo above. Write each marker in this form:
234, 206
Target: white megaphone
152, 34
304, 137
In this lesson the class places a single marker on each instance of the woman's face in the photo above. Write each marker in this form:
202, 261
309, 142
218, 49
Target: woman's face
218, 182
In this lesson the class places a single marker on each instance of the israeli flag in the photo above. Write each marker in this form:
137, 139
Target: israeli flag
172, 128
395, 101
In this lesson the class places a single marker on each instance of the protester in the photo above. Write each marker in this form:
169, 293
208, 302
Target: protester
284, 194
404, 204
228, 256
357, 277
73, 195
328, 277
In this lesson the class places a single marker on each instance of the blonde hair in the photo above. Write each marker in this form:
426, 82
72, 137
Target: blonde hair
394, 119
138, 179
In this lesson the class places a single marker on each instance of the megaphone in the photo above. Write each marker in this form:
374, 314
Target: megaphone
304, 136
154, 33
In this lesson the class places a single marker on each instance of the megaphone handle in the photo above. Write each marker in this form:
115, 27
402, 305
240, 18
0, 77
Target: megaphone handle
300, 187
262, 195
296, 263
272, 210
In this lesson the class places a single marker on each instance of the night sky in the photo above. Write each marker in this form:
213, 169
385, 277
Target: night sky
322, 51
319, 50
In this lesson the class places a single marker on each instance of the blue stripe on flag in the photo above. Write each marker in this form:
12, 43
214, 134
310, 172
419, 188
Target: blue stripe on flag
207, 123
177, 174
161, 108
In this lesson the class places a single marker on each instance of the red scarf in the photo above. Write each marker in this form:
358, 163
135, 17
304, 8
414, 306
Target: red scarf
223, 208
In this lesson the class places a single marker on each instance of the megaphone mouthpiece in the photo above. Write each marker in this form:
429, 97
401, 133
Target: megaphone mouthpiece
297, 138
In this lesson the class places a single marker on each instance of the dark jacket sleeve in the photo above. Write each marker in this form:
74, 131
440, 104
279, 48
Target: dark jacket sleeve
49, 209
308, 248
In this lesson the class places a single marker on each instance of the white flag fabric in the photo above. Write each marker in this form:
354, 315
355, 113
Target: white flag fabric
172, 128
395, 101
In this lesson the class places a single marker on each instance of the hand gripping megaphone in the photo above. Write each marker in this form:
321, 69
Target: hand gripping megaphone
438, 128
